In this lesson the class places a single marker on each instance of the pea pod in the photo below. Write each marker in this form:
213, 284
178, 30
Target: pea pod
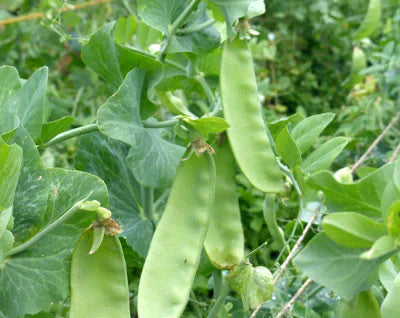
99, 284
175, 249
371, 20
359, 63
248, 133
224, 242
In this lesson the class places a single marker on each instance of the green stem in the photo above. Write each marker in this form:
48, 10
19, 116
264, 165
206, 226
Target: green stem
220, 301
196, 28
76, 207
147, 202
195, 305
174, 27
72, 133
160, 124
218, 282
207, 90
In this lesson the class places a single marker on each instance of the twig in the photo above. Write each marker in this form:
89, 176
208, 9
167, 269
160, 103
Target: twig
293, 299
38, 15
395, 154
375, 143
296, 246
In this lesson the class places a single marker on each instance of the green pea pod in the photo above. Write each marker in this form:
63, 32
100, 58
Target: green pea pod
99, 284
248, 133
224, 242
359, 62
175, 249
371, 20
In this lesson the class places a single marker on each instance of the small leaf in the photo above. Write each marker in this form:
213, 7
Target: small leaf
98, 235
387, 274
352, 229
5, 217
322, 157
393, 219
55, 127
385, 247
276, 126
287, 148
207, 125
390, 307
307, 131
255, 285
125, 29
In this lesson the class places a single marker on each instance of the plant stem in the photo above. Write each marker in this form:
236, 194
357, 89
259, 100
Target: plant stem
293, 299
160, 124
76, 207
174, 27
72, 133
207, 90
220, 301
196, 28
218, 282
147, 202
375, 143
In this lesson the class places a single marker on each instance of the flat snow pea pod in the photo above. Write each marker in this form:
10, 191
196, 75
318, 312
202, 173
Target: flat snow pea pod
371, 20
224, 242
175, 249
248, 133
99, 284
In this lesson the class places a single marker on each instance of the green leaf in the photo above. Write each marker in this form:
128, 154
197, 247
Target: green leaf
231, 10
352, 229
256, 8
385, 246
371, 20
338, 268
287, 148
106, 158
276, 126
323, 156
10, 165
9, 82
34, 279
146, 36
6, 244
101, 55
371, 196
208, 125
27, 104
125, 29
307, 131
387, 274
161, 14
153, 160
390, 307
5, 217
393, 219
55, 127
254, 284
32, 190
363, 305
359, 62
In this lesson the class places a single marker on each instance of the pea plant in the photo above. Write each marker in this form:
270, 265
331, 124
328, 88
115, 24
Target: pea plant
150, 224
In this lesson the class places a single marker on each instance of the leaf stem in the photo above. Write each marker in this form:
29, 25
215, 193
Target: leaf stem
160, 124
71, 211
207, 90
220, 301
174, 27
72, 133
196, 28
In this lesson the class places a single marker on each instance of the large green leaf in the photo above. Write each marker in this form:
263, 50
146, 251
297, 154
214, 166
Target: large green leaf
288, 149
9, 82
28, 103
34, 279
32, 189
152, 159
371, 196
352, 229
101, 55
338, 268
105, 158
10, 165
231, 10
322, 157
307, 131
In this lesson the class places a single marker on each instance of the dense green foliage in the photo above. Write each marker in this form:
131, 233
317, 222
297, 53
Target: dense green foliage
120, 105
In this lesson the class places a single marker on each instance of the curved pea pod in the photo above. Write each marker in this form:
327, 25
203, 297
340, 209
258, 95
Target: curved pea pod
359, 62
371, 20
224, 242
248, 133
99, 284
175, 249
